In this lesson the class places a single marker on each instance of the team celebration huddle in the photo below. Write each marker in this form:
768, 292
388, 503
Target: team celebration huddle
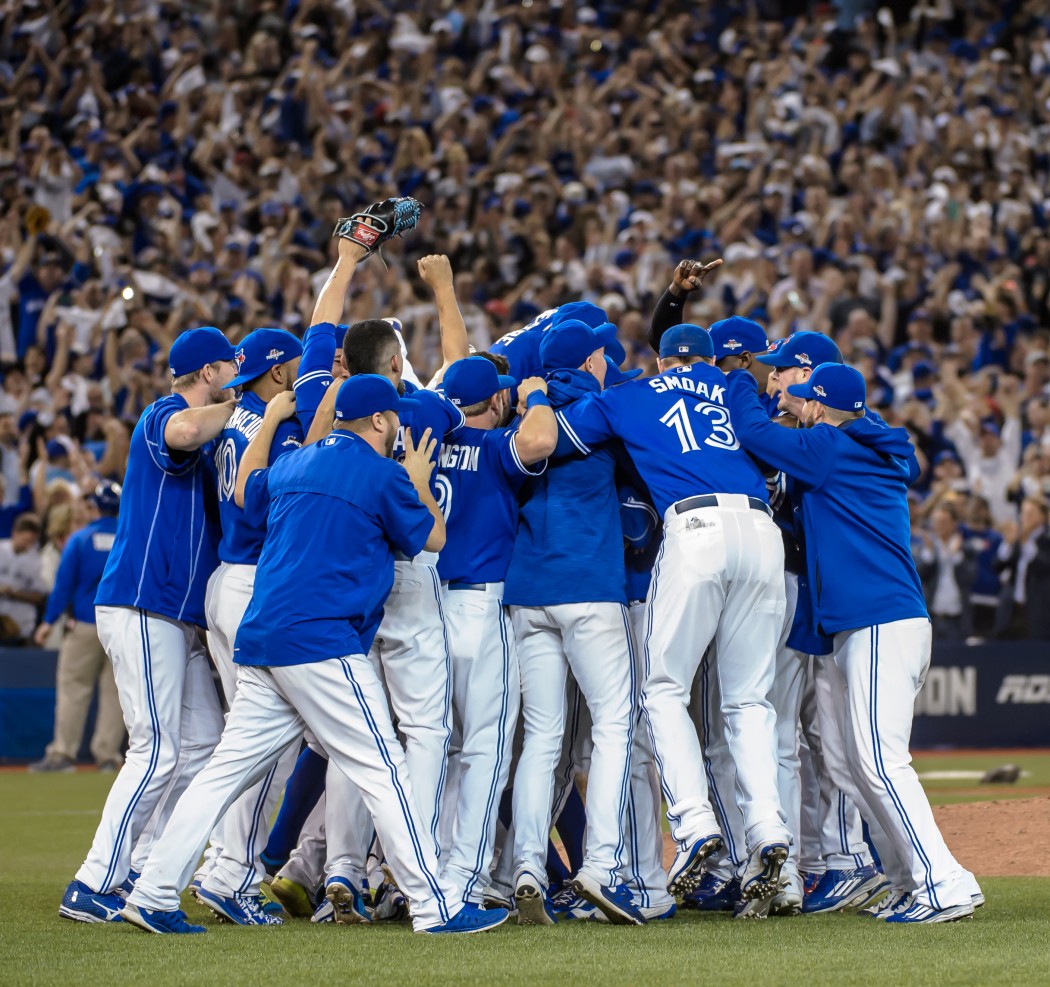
537, 597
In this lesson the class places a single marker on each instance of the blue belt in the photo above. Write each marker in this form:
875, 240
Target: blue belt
474, 586
711, 500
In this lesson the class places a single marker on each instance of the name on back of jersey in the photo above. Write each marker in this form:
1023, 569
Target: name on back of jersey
455, 457
246, 422
700, 388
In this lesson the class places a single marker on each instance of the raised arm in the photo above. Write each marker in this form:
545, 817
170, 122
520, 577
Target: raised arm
436, 271
688, 277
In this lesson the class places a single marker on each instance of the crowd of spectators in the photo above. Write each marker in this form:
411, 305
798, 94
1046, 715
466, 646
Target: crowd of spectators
882, 175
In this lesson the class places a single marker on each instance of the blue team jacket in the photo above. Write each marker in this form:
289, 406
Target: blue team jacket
80, 571
569, 545
853, 484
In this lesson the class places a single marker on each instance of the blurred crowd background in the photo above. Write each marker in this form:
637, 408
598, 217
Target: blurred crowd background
881, 174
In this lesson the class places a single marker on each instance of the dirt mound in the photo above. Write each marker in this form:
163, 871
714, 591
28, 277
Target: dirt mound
997, 839
992, 839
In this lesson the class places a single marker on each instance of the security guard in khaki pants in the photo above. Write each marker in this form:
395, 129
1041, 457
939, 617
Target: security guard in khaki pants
82, 661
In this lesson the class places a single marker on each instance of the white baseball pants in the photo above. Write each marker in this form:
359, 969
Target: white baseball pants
593, 640
410, 655
342, 702
643, 867
233, 864
174, 721
306, 862
485, 697
877, 673
719, 578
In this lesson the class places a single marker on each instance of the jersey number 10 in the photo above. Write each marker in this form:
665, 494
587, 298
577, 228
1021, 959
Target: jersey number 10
722, 435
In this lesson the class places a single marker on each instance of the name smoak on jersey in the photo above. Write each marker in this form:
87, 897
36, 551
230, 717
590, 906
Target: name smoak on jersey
698, 387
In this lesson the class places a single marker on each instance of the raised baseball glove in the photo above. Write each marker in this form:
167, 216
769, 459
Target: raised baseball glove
380, 222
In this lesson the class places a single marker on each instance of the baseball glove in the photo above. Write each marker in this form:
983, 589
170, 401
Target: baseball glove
380, 222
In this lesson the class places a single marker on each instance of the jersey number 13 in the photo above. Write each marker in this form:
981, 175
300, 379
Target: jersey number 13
722, 435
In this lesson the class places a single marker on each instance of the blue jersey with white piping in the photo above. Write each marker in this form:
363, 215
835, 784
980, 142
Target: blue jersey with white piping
334, 512
168, 531
242, 540
80, 570
315, 371
677, 429
522, 346
479, 478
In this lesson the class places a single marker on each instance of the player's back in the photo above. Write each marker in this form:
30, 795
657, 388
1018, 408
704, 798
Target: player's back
168, 529
677, 429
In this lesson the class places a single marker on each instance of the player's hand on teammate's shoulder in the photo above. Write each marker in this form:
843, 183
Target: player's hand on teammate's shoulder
530, 385
419, 459
281, 406
689, 275
435, 270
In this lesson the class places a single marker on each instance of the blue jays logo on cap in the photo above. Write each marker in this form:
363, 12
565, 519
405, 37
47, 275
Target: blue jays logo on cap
239, 357
260, 351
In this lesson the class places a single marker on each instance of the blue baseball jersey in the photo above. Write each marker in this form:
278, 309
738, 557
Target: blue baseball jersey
677, 429
242, 540
80, 571
168, 530
315, 371
334, 514
479, 478
522, 346
642, 536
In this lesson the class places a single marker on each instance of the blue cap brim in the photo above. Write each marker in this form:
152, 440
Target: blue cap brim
243, 379
800, 391
769, 359
506, 382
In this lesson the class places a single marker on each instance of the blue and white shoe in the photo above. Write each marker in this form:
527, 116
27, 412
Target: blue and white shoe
165, 923
713, 894
81, 904
128, 886
323, 913
469, 919
838, 889
654, 913
881, 910
240, 909
754, 908
389, 904
614, 901
532, 903
977, 900
762, 872
685, 873
916, 914
348, 907
568, 906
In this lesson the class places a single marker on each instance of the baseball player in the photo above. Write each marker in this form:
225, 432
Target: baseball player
303, 657
719, 577
148, 609
522, 346
568, 610
268, 359
481, 472
410, 652
82, 660
852, 475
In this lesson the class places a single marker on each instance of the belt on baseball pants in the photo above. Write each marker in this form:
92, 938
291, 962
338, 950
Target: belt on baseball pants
711, 500
482, 587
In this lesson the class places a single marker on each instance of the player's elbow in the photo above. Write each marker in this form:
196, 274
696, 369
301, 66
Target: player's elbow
184, 436
537, 445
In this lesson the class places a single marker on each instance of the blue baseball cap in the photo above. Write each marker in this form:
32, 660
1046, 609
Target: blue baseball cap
196, 348
581, 312
262, 349
737, 335
686, 340
614, 375
803, 349
835, 385
567, 344
472, 380
364, 395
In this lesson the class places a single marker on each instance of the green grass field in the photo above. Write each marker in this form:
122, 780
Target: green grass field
46, 824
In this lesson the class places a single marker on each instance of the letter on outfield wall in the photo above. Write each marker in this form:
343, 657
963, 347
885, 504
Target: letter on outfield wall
948, 692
